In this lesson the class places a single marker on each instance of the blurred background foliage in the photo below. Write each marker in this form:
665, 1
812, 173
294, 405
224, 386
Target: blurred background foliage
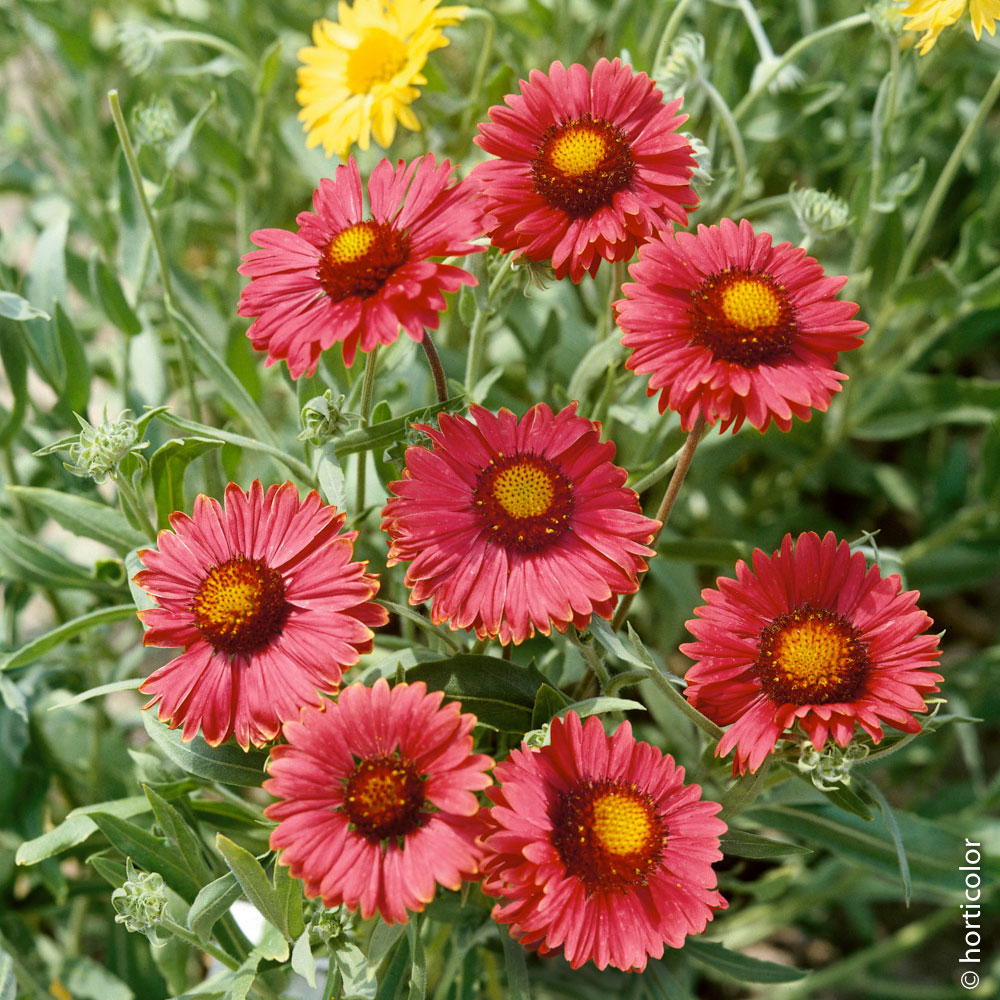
909, 452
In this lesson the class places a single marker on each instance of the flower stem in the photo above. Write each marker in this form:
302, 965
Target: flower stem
933, 204
367, 395
681, 703
489, 30
185, 935
735, 139
743, 791
666, 39
437, 370
667, 504
131, 500
477, 336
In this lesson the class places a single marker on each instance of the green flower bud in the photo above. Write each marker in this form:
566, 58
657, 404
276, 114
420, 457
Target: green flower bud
141, 902
140, 45
155, 122
683, 65
888, 18
98, 451
819, 212
324, 418
786, 79
702, 174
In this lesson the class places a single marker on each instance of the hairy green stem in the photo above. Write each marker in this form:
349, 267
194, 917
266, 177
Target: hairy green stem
437, 370
367, 395
477, 335
189, 936
735, 139
131, 499
482, 64
684, 706
933, 204
667, 38
760, 38
666, 504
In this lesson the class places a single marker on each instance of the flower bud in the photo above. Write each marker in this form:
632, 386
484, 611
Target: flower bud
683, 65
819, 212
140, 45
324, 418
141, 902
98, 451
155, 122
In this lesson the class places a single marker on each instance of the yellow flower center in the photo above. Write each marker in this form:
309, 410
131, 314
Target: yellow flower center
751, 304
743, 317
608, 835
523, 501
351, 244
578, 151
240, 607
377, 59
622, 825
524, 490
384, 797
811, 656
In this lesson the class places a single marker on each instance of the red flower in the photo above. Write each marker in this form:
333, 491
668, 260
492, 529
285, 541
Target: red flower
379, 799
588, 168
734, 329
512, 526
596, 846
266, 602
809, 636
355, 280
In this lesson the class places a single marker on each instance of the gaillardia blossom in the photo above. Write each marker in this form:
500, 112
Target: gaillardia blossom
594, 845
933, 16
379, 799
361, 74
270, 609
344, 277
589, 166
731, 328
510, 525
809, 636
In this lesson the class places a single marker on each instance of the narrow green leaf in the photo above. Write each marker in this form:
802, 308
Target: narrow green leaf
83, 517
167, 467
418, 964
178, 833
390, 982
600, 705
244, 976
76, 828
12, 697
227, 764
750, 845
717, 958
96, 692
8, 984
413, 615
14, 360
876, 796
12, 306
358, 973
592, 364
182, 142
384, 434
332, 482
288, 892
254, 881
500, 694
75, 389
109, 294
548, 702
213, 902
33, 562
148, 852
845, 799
63, 633
518, 986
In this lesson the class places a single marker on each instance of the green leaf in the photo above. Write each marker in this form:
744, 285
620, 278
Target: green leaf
12, 306
147, 851
842, 797
548, 702
182, 142
357, 972
33, 562
518, 984
85, 979
899, 188
211, 904
14, 360
83, 517
302, 960
706, 551
418, 967
592, 365
75, 390
749, 845
8, 984
96, 692
167, 467
76, 828
288, 892
40, 646
227, 764
11, 696
255, 883
384, 434
442, 632
267, 76
600, 705
176, 830
500, 694
244, 976
717, 958
109, 294
332, 482
875, 795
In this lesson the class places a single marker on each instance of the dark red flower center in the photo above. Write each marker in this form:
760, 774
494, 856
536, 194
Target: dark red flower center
524, 502
359, 259
608, 835
384, 797
811, 656
240, 606
743, 317
580, 164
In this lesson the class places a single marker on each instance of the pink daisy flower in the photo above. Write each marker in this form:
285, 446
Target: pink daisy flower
348, 278
379, 799
731, 328
594, 845
270, 609
809, 636
515, 525
589, 166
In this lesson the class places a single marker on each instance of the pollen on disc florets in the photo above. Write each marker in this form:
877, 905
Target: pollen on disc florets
811, 656
580, 164
743, 317
523, 501
359, 260
384, 797
608, 835
240, 606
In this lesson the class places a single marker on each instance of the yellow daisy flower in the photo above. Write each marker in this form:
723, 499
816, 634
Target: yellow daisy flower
933, 16
361, 73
